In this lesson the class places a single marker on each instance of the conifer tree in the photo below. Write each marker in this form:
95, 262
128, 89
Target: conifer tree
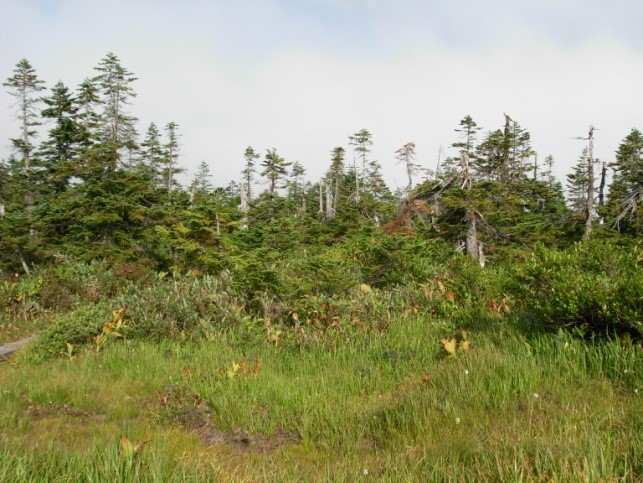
406, 157
114, 83
625, 200
24, 85
152, 153
58, 151
249, 170
361, 141
275, 169
172, 154
88, 118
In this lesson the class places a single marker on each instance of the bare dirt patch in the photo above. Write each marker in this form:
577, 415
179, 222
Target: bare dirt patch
190, 412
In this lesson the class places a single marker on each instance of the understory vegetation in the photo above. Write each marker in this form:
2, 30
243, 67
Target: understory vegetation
454, 373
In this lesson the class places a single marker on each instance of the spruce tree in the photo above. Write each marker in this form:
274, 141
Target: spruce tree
60, 148
625, 200
24, 85
249, 170
114, 83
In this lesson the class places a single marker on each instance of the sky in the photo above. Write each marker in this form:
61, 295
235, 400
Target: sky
301, 76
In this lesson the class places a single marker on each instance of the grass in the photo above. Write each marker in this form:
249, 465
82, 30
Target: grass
383, 404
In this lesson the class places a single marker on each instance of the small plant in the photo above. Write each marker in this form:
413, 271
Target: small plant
451, 345
111, 330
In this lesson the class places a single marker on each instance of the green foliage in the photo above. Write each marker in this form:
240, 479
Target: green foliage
77, 328
592, 286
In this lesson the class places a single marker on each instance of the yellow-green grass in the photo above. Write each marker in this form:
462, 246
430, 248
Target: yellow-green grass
384, 406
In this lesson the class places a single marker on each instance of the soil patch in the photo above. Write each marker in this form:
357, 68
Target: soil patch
191, 413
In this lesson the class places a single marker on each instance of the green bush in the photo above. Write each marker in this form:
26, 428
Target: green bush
77, 328
593, 286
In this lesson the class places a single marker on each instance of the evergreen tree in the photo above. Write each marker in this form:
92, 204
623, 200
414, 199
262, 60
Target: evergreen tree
296, 186
114, 82
333, 181
625, 200
24, 85
361, 141
58, 151
249, 170
172, 154
468, 131
577, 186
201, 185
275, 168
88, 118
152, 153
406, 157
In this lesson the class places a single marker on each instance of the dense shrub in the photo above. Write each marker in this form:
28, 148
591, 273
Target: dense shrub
592, 286
76, 328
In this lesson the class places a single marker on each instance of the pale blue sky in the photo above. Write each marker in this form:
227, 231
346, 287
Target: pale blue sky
302, 75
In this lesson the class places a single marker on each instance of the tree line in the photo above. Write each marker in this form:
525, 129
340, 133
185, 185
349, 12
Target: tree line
93, 187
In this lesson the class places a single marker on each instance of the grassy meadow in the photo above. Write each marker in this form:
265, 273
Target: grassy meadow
171, 379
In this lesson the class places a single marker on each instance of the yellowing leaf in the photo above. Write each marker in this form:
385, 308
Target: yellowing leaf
140, 446
464, 345
232, 373
127, 448
365, 288
464, 334
450, 296
449, 346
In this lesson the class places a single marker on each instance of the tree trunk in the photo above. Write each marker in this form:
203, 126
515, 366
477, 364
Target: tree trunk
589, 203
473, 245
243, 207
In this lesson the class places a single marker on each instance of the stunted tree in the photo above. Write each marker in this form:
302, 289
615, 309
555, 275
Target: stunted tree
406, 157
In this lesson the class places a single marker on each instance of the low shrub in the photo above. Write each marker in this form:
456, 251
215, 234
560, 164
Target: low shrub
77, 328
591, 286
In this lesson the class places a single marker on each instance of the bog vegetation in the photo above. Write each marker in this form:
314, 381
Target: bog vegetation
475, 325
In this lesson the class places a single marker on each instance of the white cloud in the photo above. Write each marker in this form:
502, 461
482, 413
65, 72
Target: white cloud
296, 76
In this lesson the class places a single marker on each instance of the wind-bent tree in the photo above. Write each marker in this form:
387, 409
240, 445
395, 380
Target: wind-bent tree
406, 157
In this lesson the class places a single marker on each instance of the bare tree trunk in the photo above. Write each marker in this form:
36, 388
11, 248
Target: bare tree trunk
330, 210
243, 207
589, 203
473, 245
321, 197
25, 267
